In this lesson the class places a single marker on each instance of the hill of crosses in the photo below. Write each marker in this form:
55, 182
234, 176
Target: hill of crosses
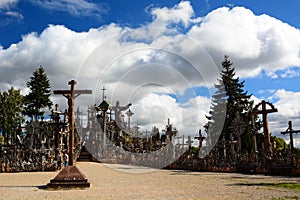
35, 142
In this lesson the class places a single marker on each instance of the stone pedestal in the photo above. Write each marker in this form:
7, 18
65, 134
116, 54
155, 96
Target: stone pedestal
69, 177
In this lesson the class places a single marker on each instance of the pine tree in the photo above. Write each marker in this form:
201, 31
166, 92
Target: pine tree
11, 103
39, 95
229, 102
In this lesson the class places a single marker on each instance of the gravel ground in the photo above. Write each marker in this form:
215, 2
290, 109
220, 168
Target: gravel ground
129, 182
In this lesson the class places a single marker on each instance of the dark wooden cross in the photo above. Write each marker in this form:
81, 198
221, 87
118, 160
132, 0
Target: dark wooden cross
291, 131
200, 138
71, 95
264, 112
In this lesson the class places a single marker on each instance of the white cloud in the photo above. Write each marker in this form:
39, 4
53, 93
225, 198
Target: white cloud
14, 14
60, 50
181, 13
7, 3
8, 12
254, 43
154, 110
288, 103
290, 73
75, 8
144, 65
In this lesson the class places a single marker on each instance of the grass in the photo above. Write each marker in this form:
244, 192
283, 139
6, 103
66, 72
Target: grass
291, 186
286, 197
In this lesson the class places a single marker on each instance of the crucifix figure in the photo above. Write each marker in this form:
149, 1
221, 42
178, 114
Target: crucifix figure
264, 111
71, 95
118, 114
291, 131
170, 132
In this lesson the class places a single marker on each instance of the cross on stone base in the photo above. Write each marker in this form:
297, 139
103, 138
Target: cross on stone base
70, 176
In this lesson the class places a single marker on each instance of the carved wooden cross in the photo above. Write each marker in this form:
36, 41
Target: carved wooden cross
291, 131
71, 95
200, 138
238, 127
264, 111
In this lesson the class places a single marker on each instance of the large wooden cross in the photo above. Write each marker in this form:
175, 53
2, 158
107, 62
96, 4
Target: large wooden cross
291, 131
200, 138
264, 112
71, 95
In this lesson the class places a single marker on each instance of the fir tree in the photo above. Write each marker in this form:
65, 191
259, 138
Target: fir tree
229, 102
39, 95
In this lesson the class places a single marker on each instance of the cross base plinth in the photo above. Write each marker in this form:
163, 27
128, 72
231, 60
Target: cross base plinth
69, 177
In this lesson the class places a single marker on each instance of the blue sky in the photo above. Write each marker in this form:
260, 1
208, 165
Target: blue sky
84, 39
32, 17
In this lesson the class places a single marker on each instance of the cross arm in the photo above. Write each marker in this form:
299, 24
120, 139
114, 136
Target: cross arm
292, 131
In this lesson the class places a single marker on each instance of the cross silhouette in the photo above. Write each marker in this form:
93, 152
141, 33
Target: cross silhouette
291, 131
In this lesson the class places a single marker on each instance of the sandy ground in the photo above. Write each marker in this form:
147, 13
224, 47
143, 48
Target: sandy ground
128, 182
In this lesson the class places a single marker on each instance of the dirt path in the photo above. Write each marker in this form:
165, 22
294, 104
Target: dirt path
127, 182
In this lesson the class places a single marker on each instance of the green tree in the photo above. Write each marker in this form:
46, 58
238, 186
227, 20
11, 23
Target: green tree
280, 143
11, 103
229, 102
39, 95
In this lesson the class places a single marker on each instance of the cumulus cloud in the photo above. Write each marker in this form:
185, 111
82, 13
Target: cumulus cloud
181, 13
254, 43
75, 8
155, 110
287, 103
152, 65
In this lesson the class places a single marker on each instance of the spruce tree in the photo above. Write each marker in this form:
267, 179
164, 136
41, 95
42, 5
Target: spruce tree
10, 113
229, 102
39, 95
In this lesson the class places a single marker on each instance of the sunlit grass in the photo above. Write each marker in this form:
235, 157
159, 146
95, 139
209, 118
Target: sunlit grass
286, 197
292, 186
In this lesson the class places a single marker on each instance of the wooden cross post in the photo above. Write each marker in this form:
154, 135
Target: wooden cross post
71, 95
264, 112
200, 138
291, 131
